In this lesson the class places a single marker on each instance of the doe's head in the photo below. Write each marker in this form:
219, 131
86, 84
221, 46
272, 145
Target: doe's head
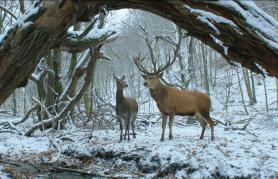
121, 83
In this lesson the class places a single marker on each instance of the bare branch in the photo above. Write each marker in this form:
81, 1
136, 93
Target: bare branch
33, 108
8, 11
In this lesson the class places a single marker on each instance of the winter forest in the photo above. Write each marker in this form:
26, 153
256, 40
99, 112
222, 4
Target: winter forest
138, 89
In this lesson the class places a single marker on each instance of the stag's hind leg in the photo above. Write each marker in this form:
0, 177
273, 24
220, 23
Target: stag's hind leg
164, 122
203, 123
211, 125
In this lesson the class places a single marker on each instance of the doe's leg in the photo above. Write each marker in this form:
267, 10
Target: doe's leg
164, 122
127, 128
121, 128
132, 126
128, 136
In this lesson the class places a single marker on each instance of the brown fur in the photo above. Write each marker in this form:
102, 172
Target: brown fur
172, 101
126, 108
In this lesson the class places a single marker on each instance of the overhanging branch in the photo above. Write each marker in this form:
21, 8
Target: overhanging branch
73, 43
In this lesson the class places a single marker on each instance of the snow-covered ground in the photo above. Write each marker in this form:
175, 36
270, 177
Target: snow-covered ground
235, 153
252, 152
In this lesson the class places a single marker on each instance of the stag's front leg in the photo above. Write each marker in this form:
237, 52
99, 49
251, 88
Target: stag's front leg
171, 120
164, 122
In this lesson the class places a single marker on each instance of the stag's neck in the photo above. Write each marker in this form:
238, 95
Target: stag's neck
119, 96
159, 93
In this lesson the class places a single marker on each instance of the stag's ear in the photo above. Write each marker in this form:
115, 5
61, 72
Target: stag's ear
144, 76
160, 75
123, 77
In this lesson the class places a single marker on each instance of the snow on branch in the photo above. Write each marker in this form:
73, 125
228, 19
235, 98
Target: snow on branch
77, 41
254, 19
211, 19
23, 22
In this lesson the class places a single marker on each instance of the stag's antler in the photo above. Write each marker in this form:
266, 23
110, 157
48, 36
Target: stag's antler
175, 45
138, 62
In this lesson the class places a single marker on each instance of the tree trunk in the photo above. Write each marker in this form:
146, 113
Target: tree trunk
266, 97
241, 93
248, 85
14, 104
191, 69
276, 94
253, 87
205, 66
21, 5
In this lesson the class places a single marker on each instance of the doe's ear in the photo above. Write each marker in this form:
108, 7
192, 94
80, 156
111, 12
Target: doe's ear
123, 77
160, 75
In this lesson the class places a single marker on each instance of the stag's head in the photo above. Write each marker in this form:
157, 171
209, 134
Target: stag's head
152, 79
121, 83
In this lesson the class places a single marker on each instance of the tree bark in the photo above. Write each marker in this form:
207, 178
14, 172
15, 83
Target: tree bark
45, 27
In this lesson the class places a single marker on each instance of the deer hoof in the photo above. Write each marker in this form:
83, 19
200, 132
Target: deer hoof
171, 137
162, 139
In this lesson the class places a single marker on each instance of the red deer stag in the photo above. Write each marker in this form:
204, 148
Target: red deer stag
126, 108
172, 101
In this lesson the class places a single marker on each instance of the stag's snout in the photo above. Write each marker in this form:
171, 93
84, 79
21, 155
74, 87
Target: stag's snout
145, 84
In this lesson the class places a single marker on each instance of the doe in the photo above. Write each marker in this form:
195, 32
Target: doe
126, 108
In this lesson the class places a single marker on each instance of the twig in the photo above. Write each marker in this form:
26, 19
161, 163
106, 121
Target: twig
8, 11
7, 131
83, 172
14, 127
105, 102
27, 114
